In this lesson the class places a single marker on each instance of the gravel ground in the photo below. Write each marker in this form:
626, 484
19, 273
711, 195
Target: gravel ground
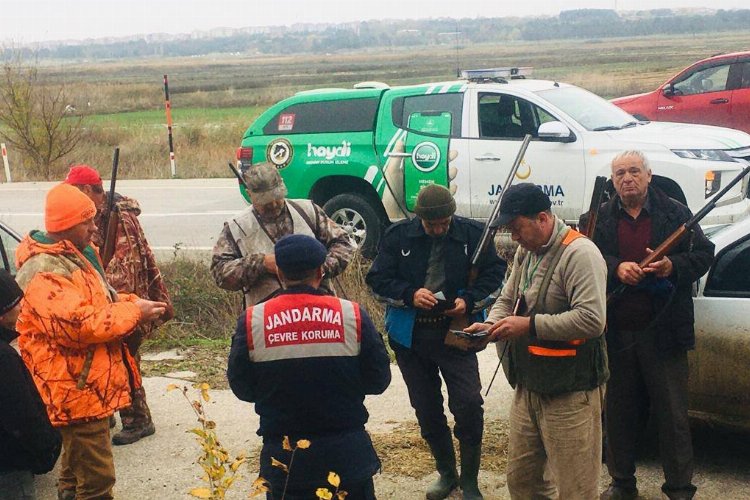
163, 466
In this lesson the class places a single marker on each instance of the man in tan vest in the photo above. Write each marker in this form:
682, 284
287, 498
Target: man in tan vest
243, 257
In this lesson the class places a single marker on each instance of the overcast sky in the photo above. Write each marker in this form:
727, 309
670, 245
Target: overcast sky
23, 21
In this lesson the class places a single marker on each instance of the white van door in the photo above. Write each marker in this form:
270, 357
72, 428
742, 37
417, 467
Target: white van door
499, 122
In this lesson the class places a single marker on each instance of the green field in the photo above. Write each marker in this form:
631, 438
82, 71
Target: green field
215, 98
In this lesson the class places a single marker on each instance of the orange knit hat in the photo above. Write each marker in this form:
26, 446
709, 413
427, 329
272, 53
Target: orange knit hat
65, 207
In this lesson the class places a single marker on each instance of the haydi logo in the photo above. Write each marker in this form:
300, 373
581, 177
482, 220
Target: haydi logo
330, 152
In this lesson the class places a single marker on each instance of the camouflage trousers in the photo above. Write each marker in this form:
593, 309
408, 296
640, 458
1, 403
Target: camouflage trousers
138, 415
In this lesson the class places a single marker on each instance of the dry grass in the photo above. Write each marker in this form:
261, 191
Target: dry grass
404, 453
610, 68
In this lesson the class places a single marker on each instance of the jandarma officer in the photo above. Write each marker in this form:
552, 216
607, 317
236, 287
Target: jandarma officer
307, 359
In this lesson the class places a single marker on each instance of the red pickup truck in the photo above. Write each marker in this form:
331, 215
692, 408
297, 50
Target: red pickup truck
714, 91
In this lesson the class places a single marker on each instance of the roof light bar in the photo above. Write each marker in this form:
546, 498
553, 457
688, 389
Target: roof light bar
497, 73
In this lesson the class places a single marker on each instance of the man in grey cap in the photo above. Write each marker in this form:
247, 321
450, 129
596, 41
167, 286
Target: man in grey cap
243, 257
422, 273
551, 313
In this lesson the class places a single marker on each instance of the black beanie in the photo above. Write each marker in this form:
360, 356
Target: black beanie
434, 202
10, 292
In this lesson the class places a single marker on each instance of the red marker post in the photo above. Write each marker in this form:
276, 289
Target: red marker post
168, 108
5, 162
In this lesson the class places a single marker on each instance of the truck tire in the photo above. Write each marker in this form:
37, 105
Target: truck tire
359, 218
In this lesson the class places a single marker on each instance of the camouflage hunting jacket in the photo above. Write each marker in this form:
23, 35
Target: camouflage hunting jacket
233, 270
132, 268
70, 318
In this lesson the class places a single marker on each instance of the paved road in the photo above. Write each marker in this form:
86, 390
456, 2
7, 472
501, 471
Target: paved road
188, 212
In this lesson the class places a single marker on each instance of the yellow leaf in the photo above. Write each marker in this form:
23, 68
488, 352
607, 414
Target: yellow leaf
204, 393
236, 464
303, 444
260, 482
341, 495
201, 492
172, 387
323, 494
280, 465
334, 479
285, 444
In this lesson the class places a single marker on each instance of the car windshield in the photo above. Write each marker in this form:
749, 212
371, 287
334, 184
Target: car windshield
590, 110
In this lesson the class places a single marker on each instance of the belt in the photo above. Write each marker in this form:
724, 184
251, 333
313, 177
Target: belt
431, 320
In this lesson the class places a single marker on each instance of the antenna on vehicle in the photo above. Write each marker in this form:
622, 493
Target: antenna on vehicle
457, 34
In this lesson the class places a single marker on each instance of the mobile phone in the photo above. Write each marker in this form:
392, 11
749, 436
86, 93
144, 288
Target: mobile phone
471, 336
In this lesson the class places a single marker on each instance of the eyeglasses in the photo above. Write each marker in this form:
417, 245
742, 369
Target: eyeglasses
97, 188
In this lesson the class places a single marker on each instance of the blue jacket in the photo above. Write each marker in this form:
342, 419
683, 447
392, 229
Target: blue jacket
308, 381
400, 269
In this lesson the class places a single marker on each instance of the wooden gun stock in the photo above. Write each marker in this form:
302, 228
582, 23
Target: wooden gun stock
110, 239
596, 200
672, 241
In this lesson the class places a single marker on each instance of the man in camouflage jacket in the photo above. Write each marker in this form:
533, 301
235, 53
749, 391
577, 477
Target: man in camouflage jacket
130, 267
243, 257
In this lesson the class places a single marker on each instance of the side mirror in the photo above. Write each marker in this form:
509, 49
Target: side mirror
669, 90
555, 132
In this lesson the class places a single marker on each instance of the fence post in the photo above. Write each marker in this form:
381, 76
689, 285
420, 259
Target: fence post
5, 162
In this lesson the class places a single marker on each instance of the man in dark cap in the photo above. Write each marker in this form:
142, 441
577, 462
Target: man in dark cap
30, 444
307, 360
422, 272
551, 313
243, 257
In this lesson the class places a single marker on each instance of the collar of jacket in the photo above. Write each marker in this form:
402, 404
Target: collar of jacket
456, 232
660, 205
300, 289
7, 335
557, 235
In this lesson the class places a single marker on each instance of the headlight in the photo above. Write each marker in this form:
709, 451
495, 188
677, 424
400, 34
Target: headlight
703, 154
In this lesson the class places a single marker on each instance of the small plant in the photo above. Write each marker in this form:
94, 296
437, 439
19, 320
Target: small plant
220, 470
261, 485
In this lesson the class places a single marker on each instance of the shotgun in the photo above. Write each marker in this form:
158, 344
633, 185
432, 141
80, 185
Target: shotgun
110, 218
674, 239
596, 201
488, 233
110, 231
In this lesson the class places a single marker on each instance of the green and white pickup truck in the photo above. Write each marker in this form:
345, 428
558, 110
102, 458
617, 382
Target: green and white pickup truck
364, 153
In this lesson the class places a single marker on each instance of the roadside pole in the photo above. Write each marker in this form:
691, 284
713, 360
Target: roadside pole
5, 162
168, 108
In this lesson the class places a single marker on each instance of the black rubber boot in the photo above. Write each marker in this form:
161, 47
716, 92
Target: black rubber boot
470, 458
445, 463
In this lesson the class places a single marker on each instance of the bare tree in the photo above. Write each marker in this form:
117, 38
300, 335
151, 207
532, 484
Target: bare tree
35, 117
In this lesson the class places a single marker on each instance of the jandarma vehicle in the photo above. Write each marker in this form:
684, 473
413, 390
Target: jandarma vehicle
713, 91
364, 153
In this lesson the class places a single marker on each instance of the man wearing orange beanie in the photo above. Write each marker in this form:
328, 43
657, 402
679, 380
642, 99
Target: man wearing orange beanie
72, 326
130, 267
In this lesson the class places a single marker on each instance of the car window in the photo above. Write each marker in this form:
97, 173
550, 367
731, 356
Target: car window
745, 84
713, 79
506, 116
589, 110
435, 104
346, 115
729, 276
8, 246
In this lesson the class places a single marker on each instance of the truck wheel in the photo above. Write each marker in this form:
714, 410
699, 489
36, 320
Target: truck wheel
357, 216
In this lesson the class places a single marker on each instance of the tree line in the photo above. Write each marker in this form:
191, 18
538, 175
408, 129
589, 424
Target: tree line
573, 24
